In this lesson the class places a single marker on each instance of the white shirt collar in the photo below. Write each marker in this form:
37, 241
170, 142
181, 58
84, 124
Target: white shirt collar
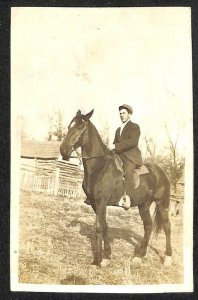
123, 125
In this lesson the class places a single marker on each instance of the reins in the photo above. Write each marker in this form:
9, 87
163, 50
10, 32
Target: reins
87, 157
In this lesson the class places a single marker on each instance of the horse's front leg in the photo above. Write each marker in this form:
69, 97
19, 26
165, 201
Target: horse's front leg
147, 221
100, 217
107, 248
99, 234
87, 191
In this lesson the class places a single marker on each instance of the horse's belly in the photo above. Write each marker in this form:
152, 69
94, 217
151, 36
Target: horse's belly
139, 195
116, 194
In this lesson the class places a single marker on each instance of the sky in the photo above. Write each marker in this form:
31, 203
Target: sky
100, 58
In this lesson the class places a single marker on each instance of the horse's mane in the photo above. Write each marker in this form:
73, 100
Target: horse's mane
94, 131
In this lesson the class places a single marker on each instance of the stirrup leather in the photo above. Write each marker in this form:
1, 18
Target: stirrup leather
136, 178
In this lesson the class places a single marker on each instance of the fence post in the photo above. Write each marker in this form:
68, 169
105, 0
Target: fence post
56, 185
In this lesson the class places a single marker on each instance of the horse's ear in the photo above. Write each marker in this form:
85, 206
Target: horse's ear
78, 113
87, 116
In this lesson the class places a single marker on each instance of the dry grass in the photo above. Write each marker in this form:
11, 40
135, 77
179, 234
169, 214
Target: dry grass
57, 237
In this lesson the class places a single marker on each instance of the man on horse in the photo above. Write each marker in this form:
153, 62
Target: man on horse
126, 146
103, 183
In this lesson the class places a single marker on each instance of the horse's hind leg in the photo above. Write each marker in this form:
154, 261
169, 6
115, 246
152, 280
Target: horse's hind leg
164, 213
147, 221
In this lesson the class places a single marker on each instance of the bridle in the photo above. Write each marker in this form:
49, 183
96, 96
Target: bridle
77, 140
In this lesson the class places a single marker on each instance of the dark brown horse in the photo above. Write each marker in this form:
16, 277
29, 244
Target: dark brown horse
103, 185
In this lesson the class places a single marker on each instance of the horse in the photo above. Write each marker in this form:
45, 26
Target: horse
103, 185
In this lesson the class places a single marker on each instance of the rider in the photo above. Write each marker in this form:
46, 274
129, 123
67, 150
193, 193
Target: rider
126, 145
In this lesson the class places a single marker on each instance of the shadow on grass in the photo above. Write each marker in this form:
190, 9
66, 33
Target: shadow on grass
114, 233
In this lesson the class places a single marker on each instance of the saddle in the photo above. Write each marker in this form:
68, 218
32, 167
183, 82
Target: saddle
138, 171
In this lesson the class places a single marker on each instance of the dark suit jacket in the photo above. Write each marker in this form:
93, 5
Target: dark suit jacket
127, 142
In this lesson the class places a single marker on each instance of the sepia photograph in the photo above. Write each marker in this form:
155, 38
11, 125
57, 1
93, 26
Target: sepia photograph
101, 150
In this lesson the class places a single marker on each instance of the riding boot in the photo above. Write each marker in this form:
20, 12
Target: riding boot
125, 201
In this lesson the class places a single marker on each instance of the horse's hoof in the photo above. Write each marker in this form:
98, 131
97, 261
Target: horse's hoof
87, 201
105, 262
94, 268
167, 261
137, 260
96, 264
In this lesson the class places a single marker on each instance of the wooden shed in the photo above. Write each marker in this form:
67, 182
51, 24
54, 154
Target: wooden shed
43, 170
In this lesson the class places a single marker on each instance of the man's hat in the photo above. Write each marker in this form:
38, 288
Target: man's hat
127, 107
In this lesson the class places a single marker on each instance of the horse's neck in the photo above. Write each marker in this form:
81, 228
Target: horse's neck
94, 147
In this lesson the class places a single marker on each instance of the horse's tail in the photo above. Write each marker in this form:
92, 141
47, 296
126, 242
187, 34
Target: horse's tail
157, 221
161, 198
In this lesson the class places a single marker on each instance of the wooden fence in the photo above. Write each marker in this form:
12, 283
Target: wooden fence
52, 177
176, 201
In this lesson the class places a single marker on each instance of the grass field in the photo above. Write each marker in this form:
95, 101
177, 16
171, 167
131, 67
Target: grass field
57, 239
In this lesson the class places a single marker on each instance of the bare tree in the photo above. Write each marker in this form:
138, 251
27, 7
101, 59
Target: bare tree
105, 134
150, 147
174, 162
24, 135
50, 127
55, 121
169, 159
151, 154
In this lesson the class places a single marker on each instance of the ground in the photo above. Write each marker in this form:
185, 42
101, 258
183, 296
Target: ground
57, 239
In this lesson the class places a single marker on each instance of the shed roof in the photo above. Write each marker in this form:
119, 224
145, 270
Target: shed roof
45, 150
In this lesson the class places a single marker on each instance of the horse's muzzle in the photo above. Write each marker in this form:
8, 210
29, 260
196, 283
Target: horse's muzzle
65, 154
66, 157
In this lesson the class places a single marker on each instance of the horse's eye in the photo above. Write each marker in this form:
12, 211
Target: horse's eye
80, 126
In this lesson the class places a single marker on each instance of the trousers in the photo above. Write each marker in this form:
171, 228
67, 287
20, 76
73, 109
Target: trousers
129, 169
